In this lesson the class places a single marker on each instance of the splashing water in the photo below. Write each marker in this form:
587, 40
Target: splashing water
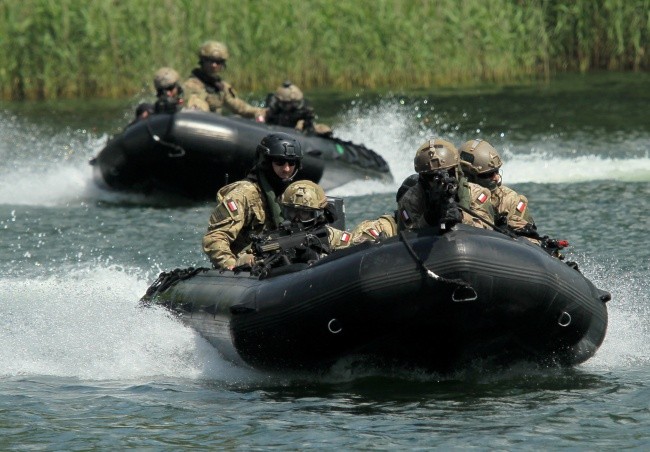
395, 129
87, 324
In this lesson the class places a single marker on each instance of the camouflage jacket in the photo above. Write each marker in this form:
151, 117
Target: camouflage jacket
412, 206
200, 89
242, 209
384, 226
338, 239
511, 204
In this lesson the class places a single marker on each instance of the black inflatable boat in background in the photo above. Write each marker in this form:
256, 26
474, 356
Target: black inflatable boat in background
192, 154
419, 300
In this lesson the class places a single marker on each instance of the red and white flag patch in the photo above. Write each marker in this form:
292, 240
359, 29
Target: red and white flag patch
232, 205
482, 198
373, 232
345, 237
521, 206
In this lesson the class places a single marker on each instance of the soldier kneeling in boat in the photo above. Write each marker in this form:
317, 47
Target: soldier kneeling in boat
439, 195
481, 165
250, 206
306, 235
288, 107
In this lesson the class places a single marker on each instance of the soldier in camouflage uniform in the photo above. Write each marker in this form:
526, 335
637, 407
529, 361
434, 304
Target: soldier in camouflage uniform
481, 164
251, 206
288, 107
432, 202
305, 203
206, 84
169, 93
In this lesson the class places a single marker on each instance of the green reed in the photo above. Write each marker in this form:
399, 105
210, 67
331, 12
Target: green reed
109, 48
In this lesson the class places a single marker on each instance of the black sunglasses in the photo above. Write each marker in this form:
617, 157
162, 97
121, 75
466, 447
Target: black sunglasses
214, 60
488, 175
282, 162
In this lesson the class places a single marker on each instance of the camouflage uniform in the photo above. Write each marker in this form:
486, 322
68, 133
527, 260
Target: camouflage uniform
338, 239
481, 163
207, 91
413, 205
241, 210
287, 107
250, 206
169, 93
383, 227
216, 94
508, 202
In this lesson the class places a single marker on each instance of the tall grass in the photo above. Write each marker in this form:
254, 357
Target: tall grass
110, 48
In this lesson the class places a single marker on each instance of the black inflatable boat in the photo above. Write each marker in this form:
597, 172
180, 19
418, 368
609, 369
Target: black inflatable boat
419, 300
192, 154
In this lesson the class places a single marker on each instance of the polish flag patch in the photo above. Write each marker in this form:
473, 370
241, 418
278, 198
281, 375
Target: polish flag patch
521, 206
373, 232
482, 198
232, 205
345, 237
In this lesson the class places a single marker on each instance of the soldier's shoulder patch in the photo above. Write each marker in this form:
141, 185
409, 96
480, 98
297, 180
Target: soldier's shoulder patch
521, 206
345, 237
231, 205
404, 215
373, 232
482, 198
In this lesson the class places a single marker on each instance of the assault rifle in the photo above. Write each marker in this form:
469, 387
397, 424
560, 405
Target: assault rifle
551, 246
443, 183
289, 244
444, 188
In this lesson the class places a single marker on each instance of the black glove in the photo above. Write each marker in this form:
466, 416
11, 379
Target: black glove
451, 214
501, 220
529, 230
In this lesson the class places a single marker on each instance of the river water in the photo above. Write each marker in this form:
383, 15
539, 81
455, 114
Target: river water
82, 368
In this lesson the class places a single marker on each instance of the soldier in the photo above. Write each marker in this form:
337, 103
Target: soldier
434, 199
169, 93
288, 107
251, 205
206, 84
481, 164
304, 203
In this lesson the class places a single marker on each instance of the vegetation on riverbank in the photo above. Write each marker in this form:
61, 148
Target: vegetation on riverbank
53, 49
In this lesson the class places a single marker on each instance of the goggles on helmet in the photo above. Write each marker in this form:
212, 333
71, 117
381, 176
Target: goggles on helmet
301, 214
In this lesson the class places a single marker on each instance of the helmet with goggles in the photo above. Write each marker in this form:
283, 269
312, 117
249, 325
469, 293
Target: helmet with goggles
165, 78
303, 201
480, 162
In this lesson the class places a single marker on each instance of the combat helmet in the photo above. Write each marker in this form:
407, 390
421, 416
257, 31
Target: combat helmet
278, 146
165, 77
213, 50
303, 201
289, 92
436, 154
479, 161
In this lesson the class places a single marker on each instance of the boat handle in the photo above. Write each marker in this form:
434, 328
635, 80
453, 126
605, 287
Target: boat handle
464, 293
334, 326
564, 319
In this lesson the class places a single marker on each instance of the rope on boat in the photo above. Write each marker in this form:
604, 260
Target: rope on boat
179, 151
167, 279
463, 292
